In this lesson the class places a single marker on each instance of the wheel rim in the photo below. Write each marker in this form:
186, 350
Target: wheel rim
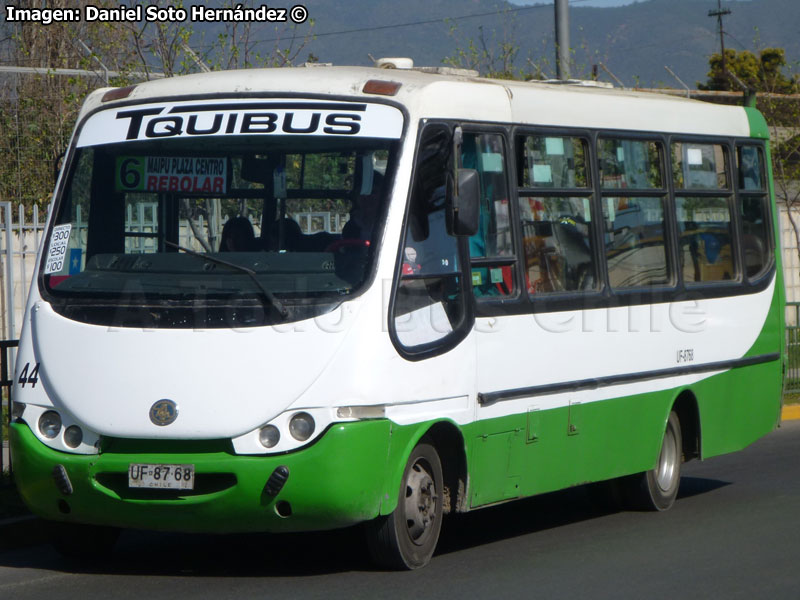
667, 461
420, 503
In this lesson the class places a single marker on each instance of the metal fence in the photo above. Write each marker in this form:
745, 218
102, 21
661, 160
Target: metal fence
791, 383
19, 242
6, 381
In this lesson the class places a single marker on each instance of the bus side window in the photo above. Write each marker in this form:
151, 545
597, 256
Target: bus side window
705, 229
635, 240
753, 211
491, 249
751, 168
699, 166
429, 300
555, 208
703, 210
633, 198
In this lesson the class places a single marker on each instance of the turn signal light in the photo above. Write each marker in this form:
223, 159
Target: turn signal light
118, 93
382, 88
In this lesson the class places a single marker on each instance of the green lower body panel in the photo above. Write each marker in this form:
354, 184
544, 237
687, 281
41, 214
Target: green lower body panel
541, 451
738, 407
336, 482
546, 450
352, 472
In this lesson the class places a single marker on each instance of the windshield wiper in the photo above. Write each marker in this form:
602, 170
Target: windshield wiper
268, 296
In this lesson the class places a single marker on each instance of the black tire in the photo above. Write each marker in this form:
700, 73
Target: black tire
83, 542
406, 538
657, 488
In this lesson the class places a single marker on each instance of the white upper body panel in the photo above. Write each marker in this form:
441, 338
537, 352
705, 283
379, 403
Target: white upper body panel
227, 383
427, 95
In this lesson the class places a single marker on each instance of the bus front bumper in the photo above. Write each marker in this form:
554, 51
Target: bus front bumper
336, 482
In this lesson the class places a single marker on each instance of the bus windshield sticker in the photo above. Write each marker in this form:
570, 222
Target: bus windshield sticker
542, 174
694, 156
57, 253
241, 117
554, 146
171, 174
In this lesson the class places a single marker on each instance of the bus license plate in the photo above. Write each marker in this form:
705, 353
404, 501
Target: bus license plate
169, 477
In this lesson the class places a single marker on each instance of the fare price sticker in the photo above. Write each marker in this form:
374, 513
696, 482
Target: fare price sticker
57, 254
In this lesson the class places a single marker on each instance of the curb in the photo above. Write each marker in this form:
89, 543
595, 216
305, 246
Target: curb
790, 412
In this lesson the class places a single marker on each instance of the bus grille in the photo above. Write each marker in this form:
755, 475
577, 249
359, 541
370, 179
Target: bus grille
204, 483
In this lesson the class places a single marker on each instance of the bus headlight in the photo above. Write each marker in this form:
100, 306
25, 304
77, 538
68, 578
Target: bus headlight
269, 436
50, 424
285, 432
73, 436
301, 426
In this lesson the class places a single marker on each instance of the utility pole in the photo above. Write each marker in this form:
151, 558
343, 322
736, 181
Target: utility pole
719, 13
562, 39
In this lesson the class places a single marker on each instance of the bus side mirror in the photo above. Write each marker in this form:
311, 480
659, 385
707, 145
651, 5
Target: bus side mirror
463, 207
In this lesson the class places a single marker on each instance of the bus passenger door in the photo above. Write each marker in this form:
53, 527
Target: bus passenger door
498, 443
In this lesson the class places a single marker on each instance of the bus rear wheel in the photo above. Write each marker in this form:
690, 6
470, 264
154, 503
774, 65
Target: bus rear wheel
406, 538
657, 488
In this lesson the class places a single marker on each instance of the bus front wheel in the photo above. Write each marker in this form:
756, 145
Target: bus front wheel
406, 538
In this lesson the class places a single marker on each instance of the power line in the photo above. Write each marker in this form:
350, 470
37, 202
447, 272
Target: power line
672, 43
425, 22
719, 13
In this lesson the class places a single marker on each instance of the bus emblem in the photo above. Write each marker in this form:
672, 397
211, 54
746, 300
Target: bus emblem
163, 412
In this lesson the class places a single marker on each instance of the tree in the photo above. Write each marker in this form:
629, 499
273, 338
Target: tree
498, 56
763, 73
38, 111
494, 58
497, 52
782, 113
778, 98
234, 47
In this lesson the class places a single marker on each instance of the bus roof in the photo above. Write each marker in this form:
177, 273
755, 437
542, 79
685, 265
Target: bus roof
430, 95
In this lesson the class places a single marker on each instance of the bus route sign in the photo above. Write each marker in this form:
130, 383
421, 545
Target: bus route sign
191, 175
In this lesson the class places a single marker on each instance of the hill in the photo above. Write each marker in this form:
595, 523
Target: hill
633, 41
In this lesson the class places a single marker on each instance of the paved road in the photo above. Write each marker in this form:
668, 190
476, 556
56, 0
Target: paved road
734, 533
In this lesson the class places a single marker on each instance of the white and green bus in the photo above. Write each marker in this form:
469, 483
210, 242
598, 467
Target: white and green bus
304, 299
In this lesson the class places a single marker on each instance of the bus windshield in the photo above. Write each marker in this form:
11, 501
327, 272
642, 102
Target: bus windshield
247, 230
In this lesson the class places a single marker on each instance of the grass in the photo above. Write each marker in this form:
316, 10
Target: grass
791, 398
